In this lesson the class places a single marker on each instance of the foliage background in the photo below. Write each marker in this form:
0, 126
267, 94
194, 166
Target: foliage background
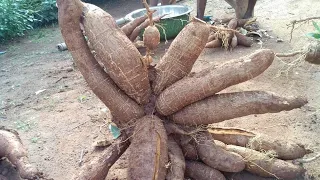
18, 16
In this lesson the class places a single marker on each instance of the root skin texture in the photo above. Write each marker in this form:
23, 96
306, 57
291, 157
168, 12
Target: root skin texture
148, 151
262, 165
216, 157
120, 57
199, 171
99, 164
121, 106
181, 55
197, 86
227, 106
13, 149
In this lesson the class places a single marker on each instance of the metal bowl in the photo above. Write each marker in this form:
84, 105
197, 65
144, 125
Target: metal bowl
171, 11
177, 16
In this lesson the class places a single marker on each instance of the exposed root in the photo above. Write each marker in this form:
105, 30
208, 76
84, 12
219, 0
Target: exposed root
295, 22
98, 164
289, 54
306, 160
288, 66
13, 149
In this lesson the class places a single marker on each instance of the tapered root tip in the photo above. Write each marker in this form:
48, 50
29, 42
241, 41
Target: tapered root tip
298, 102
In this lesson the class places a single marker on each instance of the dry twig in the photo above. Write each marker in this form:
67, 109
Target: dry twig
294, 22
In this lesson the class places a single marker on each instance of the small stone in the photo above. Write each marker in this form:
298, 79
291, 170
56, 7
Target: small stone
279, 40
69, 69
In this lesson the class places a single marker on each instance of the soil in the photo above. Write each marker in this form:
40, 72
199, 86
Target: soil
45, 98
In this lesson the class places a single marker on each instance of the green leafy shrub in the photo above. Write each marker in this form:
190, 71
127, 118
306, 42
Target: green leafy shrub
17, 16
47, 13
14, 19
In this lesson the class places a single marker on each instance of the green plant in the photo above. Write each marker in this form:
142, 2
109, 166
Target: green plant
47, 12
15, 19
82, 98
315, 35
24, 125
18, 16
35, 139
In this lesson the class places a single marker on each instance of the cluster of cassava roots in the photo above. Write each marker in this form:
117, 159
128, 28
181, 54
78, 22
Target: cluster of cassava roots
165, 112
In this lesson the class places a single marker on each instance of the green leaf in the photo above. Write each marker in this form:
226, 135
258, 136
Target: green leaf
82, 98
314, 35
316, 26
115, 131
35, 139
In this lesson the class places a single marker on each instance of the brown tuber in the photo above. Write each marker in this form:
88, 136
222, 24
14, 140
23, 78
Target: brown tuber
199, 171
214, 43
151, 37
216, 157
265, 166
313, 53
227, 106
181, 55
121, 106
148, 150
189, 147
177, 162
283, 149
124, 88
100, 162
13, 149
110, 43
197, 86
129, 27
232, 136
245, 175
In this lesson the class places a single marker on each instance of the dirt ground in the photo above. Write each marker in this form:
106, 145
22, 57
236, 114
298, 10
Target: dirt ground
44, 97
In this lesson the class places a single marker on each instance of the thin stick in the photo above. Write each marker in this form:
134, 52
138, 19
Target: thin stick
289, 54
294, 22
79, 125
81, 157
100, 163
306, 19
149, 12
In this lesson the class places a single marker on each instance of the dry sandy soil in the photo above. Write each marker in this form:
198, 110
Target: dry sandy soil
64, 120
